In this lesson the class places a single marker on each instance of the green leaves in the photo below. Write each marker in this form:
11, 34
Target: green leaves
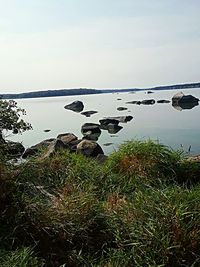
10, 118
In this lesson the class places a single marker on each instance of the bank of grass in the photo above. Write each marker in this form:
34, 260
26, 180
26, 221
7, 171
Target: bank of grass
140, 208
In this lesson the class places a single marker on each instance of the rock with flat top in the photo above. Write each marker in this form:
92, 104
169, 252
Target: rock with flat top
67, 138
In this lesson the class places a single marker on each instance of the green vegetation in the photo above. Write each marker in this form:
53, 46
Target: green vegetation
140, 208
10, 118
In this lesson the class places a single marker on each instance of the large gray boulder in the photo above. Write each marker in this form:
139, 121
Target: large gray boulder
76, 106
180, 98
89, 148
55, 146
33, 150
67, 138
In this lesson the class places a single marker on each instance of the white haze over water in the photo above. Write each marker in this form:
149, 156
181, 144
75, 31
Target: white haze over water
46, 44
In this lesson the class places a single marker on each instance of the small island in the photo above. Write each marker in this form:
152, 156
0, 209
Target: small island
85, 91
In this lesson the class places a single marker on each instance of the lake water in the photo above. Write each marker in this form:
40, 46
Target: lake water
175, 128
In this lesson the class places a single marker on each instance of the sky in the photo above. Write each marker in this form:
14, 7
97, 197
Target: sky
52, 44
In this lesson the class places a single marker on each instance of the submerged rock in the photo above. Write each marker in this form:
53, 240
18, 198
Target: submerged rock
121, 108
105, 122
163, 101
89, 113
76, 106
148, 102
108, 144
111, 128
134, 102
122, 119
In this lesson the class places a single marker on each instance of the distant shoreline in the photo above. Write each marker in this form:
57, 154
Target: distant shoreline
86, 91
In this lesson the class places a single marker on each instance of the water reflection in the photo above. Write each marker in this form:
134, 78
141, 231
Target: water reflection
93, 137
111, 128
182, 106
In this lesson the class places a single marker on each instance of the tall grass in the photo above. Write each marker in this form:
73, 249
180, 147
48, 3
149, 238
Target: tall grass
141, 208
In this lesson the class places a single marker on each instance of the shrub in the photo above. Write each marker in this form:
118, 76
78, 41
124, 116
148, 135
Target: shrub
153, 162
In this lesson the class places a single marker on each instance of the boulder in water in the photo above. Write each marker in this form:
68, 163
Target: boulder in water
180, 98
76, 106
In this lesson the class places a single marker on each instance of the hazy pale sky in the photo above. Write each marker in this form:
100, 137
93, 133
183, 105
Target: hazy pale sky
50, 44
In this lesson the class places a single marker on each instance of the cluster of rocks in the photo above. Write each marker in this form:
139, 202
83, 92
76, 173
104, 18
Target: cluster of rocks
92, 131
78, 106
179, 101
68, 141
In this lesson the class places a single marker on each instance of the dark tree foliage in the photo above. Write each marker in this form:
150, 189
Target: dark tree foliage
10, 119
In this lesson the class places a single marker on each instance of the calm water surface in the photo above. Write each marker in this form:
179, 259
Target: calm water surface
162, 122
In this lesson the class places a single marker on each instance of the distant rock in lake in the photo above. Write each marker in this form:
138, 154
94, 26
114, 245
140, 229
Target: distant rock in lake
148, 102
121, 108
89, 113
47, 130
76, 106
163, 101
134, 102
